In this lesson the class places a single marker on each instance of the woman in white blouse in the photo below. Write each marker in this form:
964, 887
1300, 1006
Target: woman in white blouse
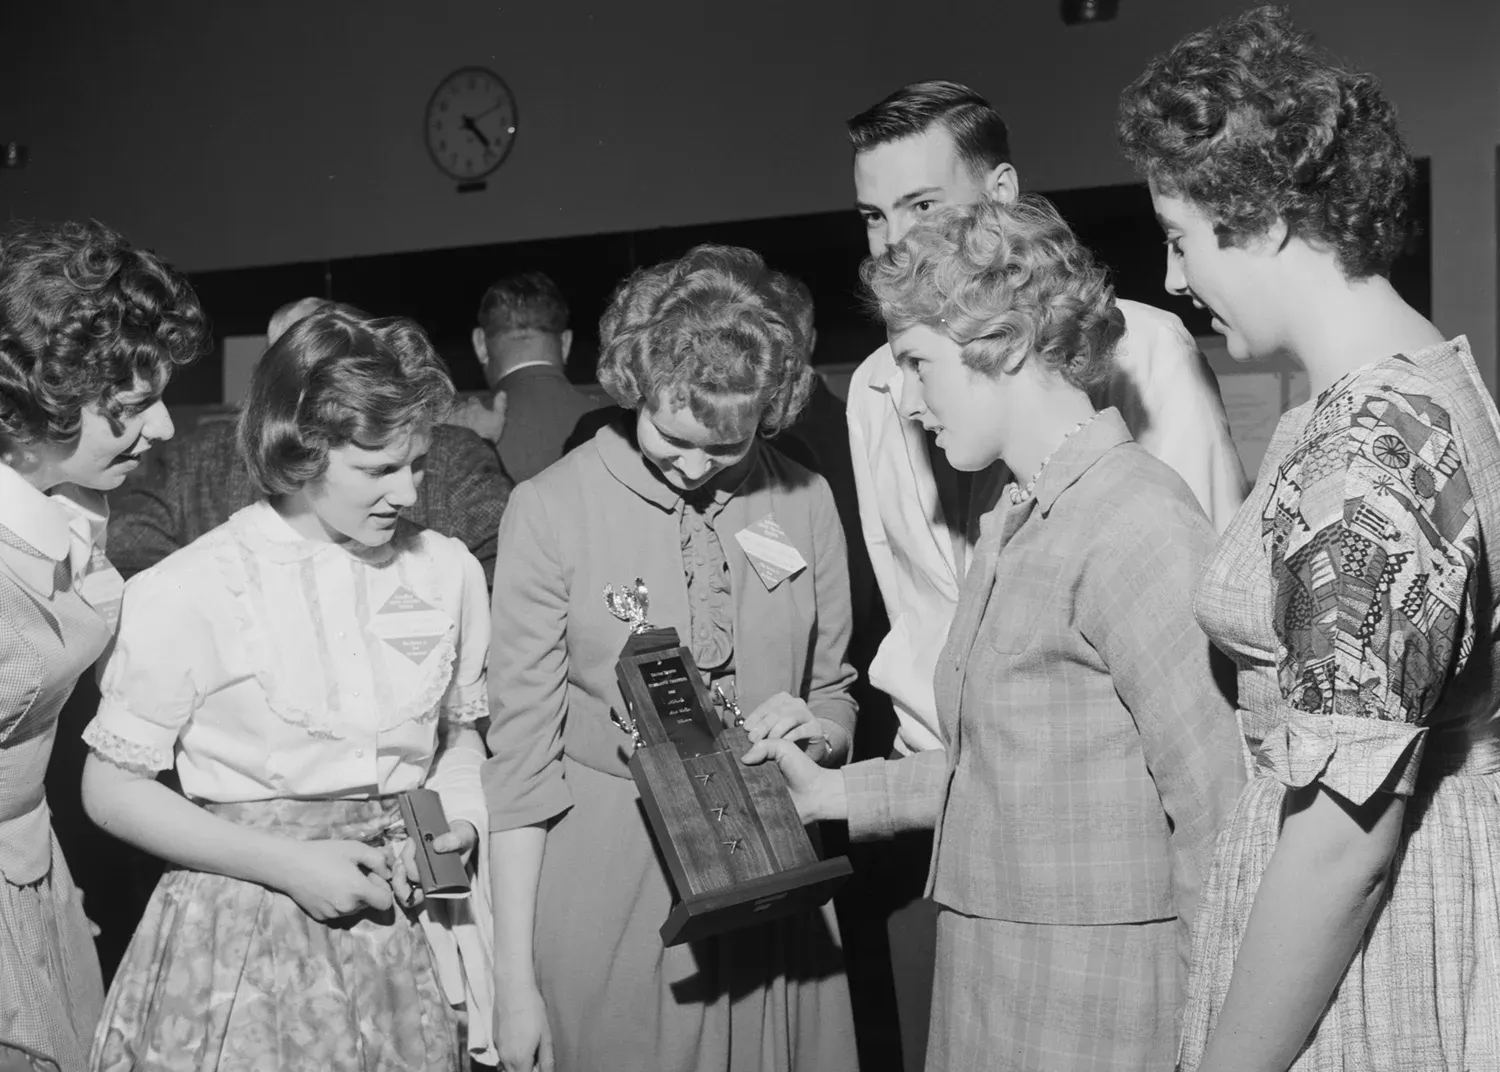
301, 666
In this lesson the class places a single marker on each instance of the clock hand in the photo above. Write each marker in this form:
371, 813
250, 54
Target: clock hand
473, 128
491, 108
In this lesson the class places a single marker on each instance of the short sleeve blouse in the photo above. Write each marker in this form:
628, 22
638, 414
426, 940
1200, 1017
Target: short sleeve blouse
273, 665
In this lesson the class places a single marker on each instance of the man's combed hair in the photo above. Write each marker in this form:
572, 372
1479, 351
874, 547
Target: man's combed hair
527, 301
1005, 282
1252, 122
978, 132
714, 331
85, 317
335, 378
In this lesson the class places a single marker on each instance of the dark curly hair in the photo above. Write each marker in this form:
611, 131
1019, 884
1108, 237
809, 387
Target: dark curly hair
1003, 281
85, 317
1252, 122
336, 377
715, 331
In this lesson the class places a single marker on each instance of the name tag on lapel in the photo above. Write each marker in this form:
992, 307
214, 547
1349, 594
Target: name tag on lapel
770, 551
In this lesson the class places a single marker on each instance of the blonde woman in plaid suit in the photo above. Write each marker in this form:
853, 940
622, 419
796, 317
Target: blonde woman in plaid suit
90, 331
1089, 756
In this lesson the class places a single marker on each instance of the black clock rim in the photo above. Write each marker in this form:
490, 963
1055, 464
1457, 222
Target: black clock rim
427, 119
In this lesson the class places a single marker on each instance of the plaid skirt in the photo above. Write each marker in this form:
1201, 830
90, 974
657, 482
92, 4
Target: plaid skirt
1039, 997
229, 976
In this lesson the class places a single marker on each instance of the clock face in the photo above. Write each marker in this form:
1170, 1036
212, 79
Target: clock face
471, 123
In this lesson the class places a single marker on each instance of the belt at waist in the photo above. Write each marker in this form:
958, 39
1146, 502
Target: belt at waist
374, 821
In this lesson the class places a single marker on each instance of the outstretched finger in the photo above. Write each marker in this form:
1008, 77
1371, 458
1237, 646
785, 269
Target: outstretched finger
769, 749
786, 724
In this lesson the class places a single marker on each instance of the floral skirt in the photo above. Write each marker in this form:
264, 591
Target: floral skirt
228, 975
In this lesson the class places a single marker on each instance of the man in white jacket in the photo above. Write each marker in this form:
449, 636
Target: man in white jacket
928, 146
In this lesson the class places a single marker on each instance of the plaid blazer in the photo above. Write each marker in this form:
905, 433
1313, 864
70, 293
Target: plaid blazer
1089, 754
194, 482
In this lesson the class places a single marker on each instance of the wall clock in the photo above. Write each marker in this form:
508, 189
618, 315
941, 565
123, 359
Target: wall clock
470, 125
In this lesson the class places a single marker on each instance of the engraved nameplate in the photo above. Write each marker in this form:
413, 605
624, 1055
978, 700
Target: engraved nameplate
676, 702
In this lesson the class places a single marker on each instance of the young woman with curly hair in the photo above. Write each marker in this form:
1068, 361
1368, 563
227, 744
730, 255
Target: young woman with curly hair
91, 329
707, 356
1088, 755
1352, 916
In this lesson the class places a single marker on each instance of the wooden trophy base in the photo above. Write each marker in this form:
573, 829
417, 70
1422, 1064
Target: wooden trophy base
783, 894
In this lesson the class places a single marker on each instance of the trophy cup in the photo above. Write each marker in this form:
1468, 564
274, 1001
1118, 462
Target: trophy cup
737, 851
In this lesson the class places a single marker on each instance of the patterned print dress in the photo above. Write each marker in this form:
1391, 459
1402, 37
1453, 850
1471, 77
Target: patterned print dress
1356, 592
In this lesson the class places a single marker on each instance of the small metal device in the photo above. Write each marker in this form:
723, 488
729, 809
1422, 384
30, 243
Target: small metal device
442, 874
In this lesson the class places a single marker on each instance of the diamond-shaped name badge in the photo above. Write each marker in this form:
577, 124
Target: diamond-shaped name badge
411, 625
770, 552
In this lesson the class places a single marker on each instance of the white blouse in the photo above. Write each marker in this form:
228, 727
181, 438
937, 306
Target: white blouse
270, 665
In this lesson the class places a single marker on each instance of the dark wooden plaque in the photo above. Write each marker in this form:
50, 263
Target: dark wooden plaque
730, 834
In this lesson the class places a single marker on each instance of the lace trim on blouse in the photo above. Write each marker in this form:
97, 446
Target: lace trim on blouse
468, 712
137, 758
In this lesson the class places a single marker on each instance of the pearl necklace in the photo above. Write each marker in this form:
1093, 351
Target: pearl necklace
1018, 495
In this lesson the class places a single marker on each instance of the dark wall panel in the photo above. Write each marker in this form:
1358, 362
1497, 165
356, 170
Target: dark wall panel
441, 288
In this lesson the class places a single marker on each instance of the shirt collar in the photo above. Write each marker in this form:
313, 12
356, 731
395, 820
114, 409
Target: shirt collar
263, 529
540, 364
884, 372
626, 463
1077, 455
48, 523
35, 516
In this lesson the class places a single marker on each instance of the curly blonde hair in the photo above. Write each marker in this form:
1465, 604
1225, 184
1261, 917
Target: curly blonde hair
1005, 282
716, 331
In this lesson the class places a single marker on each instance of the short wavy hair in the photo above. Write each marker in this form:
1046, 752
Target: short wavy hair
85, 317
1005, 282
335, 378
526, 301
715, 331
1252, 122
978, 132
